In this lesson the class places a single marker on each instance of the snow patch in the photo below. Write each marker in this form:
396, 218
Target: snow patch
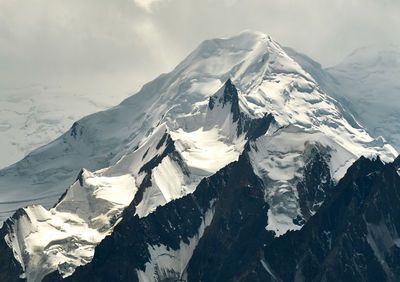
266, 267
279, 160
280, 223
167, 263
168, 183
205, 151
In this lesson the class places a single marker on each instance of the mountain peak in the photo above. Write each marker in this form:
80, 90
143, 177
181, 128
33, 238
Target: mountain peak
245, 40
240, 96
227, 94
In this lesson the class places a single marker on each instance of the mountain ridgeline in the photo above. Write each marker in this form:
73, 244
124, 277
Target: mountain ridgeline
235, 166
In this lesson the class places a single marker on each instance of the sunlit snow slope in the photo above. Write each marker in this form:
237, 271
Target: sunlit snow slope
366, 82
65, 236
157, 145
369, 79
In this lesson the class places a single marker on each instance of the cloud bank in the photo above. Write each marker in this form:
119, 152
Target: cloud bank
102, 46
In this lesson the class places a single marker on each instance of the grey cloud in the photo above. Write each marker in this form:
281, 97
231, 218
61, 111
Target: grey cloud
117, 45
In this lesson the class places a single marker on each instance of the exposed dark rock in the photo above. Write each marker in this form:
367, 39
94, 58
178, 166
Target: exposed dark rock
156, 160
61, 197
52, 277
80, 177
253, 128
10, 268
141, 189
350, 231
351, 236
76, 130
211, 102
145, 154
238, 203
229, 96
396, 162
316, 181
163, 139
168, 151
231, 245
258, 127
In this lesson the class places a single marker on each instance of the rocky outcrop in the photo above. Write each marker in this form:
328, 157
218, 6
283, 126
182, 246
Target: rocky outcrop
353, 236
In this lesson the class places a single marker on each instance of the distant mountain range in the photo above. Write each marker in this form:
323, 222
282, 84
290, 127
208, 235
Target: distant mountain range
33, 116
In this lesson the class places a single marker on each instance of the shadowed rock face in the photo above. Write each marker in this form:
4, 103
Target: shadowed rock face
316, 182
353, 236
235, 195
229, 96
253, 128
10, 268
237, 231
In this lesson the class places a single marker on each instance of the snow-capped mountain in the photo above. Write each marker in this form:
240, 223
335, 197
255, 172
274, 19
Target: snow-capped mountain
239, 135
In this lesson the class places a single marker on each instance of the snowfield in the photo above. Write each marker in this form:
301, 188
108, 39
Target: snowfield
369, 79
33, 116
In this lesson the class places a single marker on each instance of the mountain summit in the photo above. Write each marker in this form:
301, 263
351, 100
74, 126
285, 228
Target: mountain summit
237, 139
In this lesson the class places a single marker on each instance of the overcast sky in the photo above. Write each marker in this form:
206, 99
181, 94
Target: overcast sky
101, 46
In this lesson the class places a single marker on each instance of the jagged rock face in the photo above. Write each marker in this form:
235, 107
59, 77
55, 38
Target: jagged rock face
316, 182
353, 237
230, 97
234, 195
225, 251
10, 268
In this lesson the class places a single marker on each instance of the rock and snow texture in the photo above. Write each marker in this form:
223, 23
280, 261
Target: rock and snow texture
158, 145
165, 262
265, 76
65, 236
101, 139
352, 237
279, 160
84, 217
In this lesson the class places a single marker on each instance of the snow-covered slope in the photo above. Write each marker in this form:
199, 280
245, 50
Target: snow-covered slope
100, 140
369, 79
165, 166
229, 96
33, 116
366, 83
65, 236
